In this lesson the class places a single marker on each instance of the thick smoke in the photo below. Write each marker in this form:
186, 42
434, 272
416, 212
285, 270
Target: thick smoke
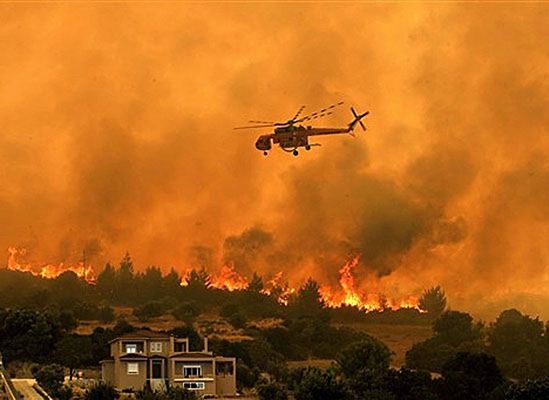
117, 135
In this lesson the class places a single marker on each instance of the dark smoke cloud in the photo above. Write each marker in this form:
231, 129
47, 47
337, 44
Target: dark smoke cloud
116, 135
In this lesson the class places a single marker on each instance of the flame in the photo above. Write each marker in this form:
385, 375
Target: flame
48, 271
348, 294
279, 288
228, 278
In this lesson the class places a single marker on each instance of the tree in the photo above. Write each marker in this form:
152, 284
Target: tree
316, 384
122, 326
29, 335
517, 341
433, 301
256, 284
124, 287
454, 333
151, 284
454, 328
198, 280
470, 376
407, 384
364, 364
105, 284
73, 352
172, 283
309, 302
100, 339
368, 354
271, 391
68, 288
50, 377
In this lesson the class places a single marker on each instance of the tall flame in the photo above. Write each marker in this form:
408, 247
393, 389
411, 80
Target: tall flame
278, 288
348, 294
228, 278
48, 271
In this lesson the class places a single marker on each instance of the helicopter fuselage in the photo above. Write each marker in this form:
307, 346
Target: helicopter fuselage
292, 137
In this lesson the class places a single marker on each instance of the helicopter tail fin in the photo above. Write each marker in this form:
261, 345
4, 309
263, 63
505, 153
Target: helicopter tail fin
357, 120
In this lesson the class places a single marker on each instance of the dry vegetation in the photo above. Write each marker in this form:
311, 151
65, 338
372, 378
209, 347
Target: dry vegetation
399, 338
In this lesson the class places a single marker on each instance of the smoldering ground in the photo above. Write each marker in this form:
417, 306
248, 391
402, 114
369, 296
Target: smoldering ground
116, 135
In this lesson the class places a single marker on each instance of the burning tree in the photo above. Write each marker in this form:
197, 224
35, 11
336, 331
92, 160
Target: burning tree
433, 301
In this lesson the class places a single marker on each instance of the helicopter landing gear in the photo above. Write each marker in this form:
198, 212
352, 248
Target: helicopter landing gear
308, 147
265, 153
295, 152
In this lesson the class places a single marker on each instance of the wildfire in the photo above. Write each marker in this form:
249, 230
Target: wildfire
347, 293
350, 295
48, 271
278, 288
228, 278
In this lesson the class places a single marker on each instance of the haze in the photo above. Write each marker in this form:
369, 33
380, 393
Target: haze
117, 136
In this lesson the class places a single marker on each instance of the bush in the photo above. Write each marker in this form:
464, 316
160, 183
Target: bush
470, 376
370, 354
237, 320
454, 333
271, 391
320, 385
50, 377
186, 312
530, 390
101, 391
149, 310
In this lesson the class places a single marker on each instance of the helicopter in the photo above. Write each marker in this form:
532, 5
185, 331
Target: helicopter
290, 135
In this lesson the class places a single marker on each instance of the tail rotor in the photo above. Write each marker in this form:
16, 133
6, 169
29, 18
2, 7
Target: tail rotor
357, 120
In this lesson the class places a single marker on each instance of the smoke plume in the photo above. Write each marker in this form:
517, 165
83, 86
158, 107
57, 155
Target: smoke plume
117, 136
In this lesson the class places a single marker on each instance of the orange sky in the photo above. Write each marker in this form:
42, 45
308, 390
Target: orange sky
117, 135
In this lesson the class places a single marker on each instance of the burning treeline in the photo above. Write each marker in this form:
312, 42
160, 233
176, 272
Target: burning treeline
346, 293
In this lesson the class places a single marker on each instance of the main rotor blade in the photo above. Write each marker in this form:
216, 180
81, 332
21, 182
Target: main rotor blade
297, 113
254, 126
317, 114
261, 122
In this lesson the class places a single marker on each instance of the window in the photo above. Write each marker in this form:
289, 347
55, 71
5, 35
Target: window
194, 385
192, 370
133, 368
156, 347
180, 347
131, 348
224, 368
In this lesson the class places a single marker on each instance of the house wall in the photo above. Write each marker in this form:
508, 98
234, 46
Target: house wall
107, 372
226, 381
125, 381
